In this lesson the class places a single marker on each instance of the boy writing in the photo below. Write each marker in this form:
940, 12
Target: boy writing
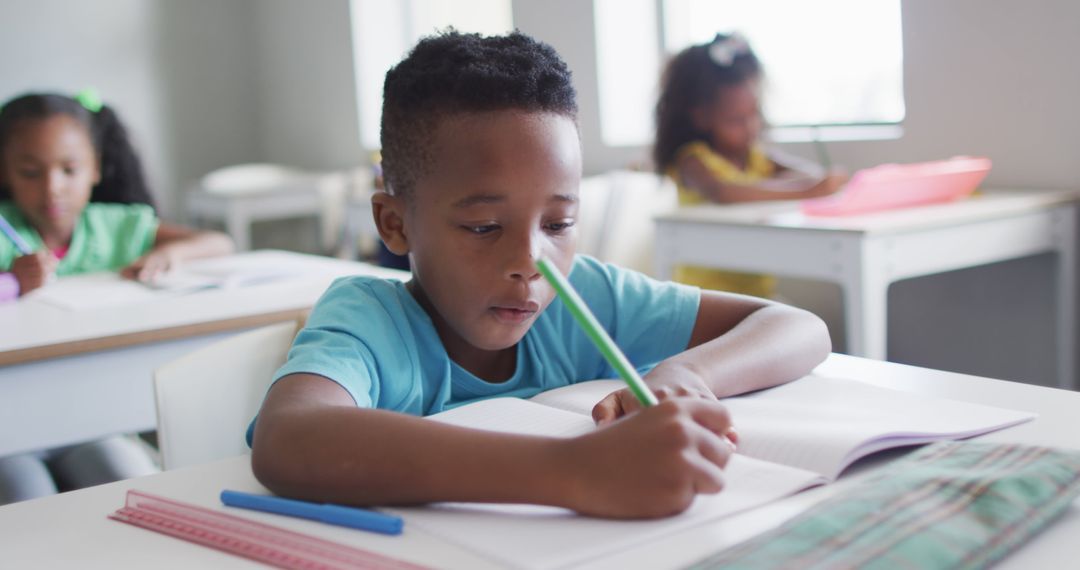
482, 159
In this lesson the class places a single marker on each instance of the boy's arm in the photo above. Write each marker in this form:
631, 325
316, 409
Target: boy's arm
738, 344
696, 176
173, 244
312, 442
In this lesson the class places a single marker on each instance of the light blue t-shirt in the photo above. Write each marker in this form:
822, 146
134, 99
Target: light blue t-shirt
372, 337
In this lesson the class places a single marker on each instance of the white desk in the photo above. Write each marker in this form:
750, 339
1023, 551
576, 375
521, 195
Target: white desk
71, 376
71, 530
865, 254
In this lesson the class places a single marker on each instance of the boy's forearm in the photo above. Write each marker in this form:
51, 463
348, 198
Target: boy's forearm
772, 345
375, 457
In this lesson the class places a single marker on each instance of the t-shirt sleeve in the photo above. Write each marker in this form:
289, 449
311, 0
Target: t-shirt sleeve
650, 320
336, 342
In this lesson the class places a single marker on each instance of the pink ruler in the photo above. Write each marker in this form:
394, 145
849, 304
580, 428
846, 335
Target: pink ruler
247, 538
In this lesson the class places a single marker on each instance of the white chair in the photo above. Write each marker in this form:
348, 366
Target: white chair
245, 193
618, 208
206, 399
357, 223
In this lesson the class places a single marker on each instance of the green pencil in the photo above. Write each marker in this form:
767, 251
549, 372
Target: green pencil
596, 333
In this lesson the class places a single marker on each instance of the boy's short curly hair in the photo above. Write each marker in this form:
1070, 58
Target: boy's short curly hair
451, 73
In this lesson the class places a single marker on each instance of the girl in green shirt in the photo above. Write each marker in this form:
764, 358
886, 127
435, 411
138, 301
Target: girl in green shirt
72, 189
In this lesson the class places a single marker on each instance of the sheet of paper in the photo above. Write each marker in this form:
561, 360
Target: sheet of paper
93, 291
102, 290
523, 535
824, 424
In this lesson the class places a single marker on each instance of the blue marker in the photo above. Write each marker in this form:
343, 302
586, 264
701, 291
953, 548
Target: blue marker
352, 517
15, 238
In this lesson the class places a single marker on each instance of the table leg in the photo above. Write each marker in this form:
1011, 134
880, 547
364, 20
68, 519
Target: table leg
238, 225
664, 254
1065, 234
865, 282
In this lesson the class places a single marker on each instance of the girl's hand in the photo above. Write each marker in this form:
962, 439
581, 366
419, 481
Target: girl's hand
651, 464
149, 267
832, 182
34, 270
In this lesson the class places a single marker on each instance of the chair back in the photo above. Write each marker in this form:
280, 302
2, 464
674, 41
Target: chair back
206, 399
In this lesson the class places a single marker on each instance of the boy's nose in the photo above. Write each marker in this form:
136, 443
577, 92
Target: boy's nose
522, 259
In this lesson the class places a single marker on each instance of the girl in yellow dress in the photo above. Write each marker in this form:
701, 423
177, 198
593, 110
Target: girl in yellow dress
708, 127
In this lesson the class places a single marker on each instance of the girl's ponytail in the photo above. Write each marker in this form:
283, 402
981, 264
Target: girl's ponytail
122, 178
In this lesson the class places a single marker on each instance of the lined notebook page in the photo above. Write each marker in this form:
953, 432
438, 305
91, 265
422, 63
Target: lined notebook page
824, 424
514, 415
93, 291
523, 535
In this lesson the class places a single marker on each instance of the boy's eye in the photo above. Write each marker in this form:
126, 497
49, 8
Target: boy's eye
27, 173
481, 229
70, 170
559, 227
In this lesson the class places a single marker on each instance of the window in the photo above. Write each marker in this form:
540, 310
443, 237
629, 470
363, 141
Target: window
383, 33
821, 69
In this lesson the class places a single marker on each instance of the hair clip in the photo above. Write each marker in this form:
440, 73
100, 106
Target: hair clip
724, 50
89, 99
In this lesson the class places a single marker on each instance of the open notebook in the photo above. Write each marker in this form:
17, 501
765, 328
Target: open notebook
791, 438
106, 289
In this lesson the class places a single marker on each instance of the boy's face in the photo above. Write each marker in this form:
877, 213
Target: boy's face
50, 167
502, 191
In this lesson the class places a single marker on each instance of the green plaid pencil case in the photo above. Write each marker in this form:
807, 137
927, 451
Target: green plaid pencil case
947, 505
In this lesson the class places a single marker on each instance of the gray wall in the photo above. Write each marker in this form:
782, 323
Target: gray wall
204, 83
306, 88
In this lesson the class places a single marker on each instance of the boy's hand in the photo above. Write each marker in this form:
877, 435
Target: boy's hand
666, 380
157, 262
651, 464
34, 270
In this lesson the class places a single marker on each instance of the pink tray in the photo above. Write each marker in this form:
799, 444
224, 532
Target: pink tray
891, 186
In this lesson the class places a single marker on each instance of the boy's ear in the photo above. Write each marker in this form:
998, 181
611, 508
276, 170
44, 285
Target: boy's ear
389, 213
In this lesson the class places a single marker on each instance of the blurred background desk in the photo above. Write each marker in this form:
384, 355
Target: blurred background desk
68, 376
865, 254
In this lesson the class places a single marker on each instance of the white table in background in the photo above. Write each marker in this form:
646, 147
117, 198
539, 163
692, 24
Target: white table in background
71, 376
70, 530
864, 254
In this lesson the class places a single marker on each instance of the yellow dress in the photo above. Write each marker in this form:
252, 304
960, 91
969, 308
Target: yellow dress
758, 168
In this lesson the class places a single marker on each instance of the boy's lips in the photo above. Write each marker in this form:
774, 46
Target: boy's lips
515, 313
